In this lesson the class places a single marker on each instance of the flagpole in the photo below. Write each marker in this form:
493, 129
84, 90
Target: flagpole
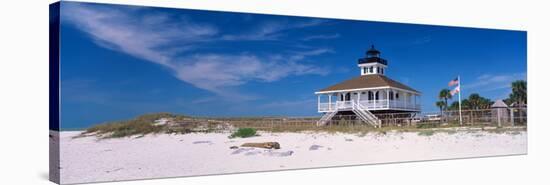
459, 101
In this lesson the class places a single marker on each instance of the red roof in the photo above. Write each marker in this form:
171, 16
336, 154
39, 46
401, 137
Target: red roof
368, 81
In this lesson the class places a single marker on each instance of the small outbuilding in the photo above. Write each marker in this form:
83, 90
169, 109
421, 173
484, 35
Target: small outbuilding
500, 112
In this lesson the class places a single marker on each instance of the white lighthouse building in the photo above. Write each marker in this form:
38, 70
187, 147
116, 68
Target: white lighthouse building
369, 94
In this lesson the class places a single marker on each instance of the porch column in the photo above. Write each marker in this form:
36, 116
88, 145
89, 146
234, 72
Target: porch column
406, 100
414, 100
374, 98
318, 102
419, 99
358, 97
329, 101
388, 98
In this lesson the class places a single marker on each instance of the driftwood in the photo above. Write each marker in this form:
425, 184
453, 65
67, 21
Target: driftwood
268, 145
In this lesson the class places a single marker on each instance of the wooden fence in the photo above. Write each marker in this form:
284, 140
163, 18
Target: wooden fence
481, 117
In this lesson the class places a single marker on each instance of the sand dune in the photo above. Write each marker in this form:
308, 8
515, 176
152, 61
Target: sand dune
89, 159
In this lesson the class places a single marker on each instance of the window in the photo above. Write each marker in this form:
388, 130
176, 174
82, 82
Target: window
371, 95
370, 69
382, 70
377, 70
391, 95
396, 95
364, 70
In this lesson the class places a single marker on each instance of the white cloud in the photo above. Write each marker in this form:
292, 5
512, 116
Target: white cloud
215, 72
316, 37
158, 38
271, 30
297, 56
491, 82
140, 36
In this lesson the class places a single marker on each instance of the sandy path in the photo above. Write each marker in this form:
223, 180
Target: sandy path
153, 156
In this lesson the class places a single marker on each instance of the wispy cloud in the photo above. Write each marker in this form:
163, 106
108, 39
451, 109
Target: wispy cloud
316, 37
168, 41
421, 40
491, 82
273, 30
300, 55
217, 72
142, 36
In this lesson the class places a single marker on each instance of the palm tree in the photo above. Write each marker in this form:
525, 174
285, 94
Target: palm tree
475, 101
441, 105
465, 104
454, 106
519, 92
445, 95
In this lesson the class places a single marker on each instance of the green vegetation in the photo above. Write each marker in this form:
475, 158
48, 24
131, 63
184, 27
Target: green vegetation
441, 105
449, 132
426, 133
445, 95
474, 102
426, 125
141, 125
502, 130
519, 93
243, 133
477, 102
362, 134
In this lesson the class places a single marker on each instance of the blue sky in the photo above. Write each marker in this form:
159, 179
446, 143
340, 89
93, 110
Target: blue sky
118, 62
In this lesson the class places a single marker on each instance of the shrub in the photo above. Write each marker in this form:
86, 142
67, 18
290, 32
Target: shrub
244, 132
426, 133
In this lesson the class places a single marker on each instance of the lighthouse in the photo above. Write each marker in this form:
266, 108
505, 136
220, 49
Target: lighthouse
369, 94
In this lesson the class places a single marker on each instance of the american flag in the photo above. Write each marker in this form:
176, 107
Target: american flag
453, 82
456, 90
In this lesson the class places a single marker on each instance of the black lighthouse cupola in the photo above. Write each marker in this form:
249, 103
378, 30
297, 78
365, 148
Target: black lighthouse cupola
372, 63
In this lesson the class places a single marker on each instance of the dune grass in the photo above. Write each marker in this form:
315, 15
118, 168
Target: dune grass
141, 125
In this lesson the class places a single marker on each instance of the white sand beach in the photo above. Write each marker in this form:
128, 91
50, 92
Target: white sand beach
90, 159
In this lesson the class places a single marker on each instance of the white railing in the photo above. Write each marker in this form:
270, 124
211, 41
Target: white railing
365, 115
326, 118
369, 105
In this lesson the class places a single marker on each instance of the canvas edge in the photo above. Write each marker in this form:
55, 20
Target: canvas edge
54, 100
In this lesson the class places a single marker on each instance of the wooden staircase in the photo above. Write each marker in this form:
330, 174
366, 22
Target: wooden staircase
327, 117
365, 115
359, 110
